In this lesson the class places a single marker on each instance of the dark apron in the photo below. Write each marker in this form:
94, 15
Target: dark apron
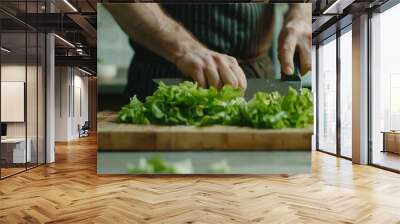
243, 31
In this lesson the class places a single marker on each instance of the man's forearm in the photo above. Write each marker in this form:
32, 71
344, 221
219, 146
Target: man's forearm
148, 25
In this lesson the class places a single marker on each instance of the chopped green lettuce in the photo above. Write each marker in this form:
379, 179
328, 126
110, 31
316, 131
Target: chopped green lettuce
188, 104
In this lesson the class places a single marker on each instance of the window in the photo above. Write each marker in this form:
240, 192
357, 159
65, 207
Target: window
346, 93
327, 96
385, 89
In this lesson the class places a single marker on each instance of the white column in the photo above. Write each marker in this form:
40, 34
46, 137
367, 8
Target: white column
360, 90
50, 98
50, 92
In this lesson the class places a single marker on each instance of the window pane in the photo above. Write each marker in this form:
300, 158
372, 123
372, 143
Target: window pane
346, 94
385, 86
327, 97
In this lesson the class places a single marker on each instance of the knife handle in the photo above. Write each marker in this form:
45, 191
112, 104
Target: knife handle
296, 76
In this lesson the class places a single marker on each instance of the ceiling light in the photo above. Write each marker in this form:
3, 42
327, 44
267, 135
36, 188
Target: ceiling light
65, 41
70, 5
5, 50
84, 71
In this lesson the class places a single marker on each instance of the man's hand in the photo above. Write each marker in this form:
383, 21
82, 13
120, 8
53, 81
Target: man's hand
209, 68
296, 36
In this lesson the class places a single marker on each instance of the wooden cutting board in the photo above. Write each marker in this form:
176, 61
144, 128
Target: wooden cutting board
130, 137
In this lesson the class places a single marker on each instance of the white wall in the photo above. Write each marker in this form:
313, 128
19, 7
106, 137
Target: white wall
62, 81
71, 93
80, 93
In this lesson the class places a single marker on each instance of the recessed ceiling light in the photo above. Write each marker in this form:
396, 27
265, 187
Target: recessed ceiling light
84, 71
64, 40
70, 5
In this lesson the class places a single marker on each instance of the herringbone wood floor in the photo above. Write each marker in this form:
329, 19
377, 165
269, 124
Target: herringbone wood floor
69, 191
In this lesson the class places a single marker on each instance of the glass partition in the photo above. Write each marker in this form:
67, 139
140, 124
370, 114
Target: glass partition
22, 92
14, 153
